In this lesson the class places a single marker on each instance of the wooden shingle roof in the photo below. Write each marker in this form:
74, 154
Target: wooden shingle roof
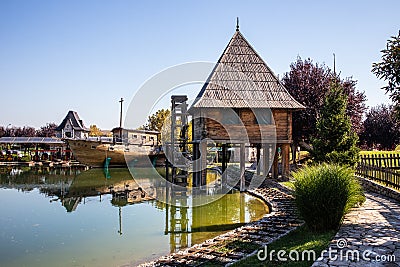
75, 121
241, 79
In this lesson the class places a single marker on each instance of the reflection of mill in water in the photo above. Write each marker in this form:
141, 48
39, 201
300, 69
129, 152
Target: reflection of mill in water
177, 221
187, 226
177, 155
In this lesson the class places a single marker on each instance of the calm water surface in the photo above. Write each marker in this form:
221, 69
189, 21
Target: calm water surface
69, 217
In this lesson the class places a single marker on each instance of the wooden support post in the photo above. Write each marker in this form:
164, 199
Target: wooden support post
167, 164
274, 169
294, 150
285, 161
203, 156
242, 214
167, 170
224, 164
224, 158
242, 166
197, 171
266, 159
258, 166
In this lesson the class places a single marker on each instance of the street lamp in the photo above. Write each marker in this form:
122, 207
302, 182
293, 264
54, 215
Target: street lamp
7, 128
7, 134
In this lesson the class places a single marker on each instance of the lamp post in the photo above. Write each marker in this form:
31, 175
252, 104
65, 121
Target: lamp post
120, 119
7, 134
7, 129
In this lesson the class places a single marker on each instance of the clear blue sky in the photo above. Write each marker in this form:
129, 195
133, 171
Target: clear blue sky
57, 56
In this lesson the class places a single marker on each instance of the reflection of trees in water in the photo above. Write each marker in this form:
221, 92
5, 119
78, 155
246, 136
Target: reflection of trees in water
118, 182
72, 185
256, 211
49, 181
185, 226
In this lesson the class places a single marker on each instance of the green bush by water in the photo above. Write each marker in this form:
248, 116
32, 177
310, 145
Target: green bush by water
325, 193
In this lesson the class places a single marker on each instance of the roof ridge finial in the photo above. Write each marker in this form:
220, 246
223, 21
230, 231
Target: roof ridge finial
237, 23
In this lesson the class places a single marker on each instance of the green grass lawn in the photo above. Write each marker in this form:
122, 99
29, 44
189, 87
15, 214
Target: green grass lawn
367, 152
300, 239
382, 158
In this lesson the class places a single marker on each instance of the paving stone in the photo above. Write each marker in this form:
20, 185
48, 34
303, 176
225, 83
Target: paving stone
373, 227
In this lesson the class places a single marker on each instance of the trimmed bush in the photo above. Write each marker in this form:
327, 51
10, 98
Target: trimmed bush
325, 193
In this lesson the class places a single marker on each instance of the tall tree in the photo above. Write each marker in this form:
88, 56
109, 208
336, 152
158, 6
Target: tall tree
156, 121
19, 132
355, 104
389, 70
28, 131
381, 129
95, 131
309, 83
47, 130
335, 141
10, 131
2, 131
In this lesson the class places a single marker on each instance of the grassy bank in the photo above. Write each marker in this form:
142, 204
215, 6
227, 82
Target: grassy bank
299, 240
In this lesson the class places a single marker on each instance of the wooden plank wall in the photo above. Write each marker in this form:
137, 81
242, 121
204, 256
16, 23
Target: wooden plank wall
214, 130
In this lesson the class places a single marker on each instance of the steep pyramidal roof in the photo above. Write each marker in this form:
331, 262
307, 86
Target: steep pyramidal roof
241, 79
75, 121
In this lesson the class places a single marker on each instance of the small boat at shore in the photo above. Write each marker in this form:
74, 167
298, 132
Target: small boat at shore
98, 153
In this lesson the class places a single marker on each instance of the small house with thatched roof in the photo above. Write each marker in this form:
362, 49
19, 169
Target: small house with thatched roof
244, 103
72, 127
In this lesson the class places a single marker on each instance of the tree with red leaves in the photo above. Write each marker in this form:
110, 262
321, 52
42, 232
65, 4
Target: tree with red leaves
309, 83
17, 131
47, 131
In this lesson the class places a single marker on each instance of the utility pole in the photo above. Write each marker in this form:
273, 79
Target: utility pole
120, 119
334, 64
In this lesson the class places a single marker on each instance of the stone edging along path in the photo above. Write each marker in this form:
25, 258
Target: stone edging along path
243, 241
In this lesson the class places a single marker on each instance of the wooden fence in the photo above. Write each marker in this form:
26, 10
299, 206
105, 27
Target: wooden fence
389, 160
383, 168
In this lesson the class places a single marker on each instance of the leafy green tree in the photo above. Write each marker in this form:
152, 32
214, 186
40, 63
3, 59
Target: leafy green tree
95, 131
156, 121
335, 141
389, 70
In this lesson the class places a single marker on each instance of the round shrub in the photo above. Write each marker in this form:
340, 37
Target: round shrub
325, 193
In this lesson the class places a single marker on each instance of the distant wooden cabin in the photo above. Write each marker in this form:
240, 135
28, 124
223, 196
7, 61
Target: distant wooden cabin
72, 127
136, 137
242, 96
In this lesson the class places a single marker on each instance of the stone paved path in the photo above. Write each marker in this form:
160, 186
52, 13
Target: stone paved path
371, 231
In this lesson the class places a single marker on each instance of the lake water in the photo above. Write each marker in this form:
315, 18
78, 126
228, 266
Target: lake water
72, 217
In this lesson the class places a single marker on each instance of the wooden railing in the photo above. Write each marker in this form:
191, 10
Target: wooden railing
385, 160
383, 168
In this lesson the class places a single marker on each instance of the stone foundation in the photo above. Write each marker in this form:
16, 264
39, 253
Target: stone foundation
375, 187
